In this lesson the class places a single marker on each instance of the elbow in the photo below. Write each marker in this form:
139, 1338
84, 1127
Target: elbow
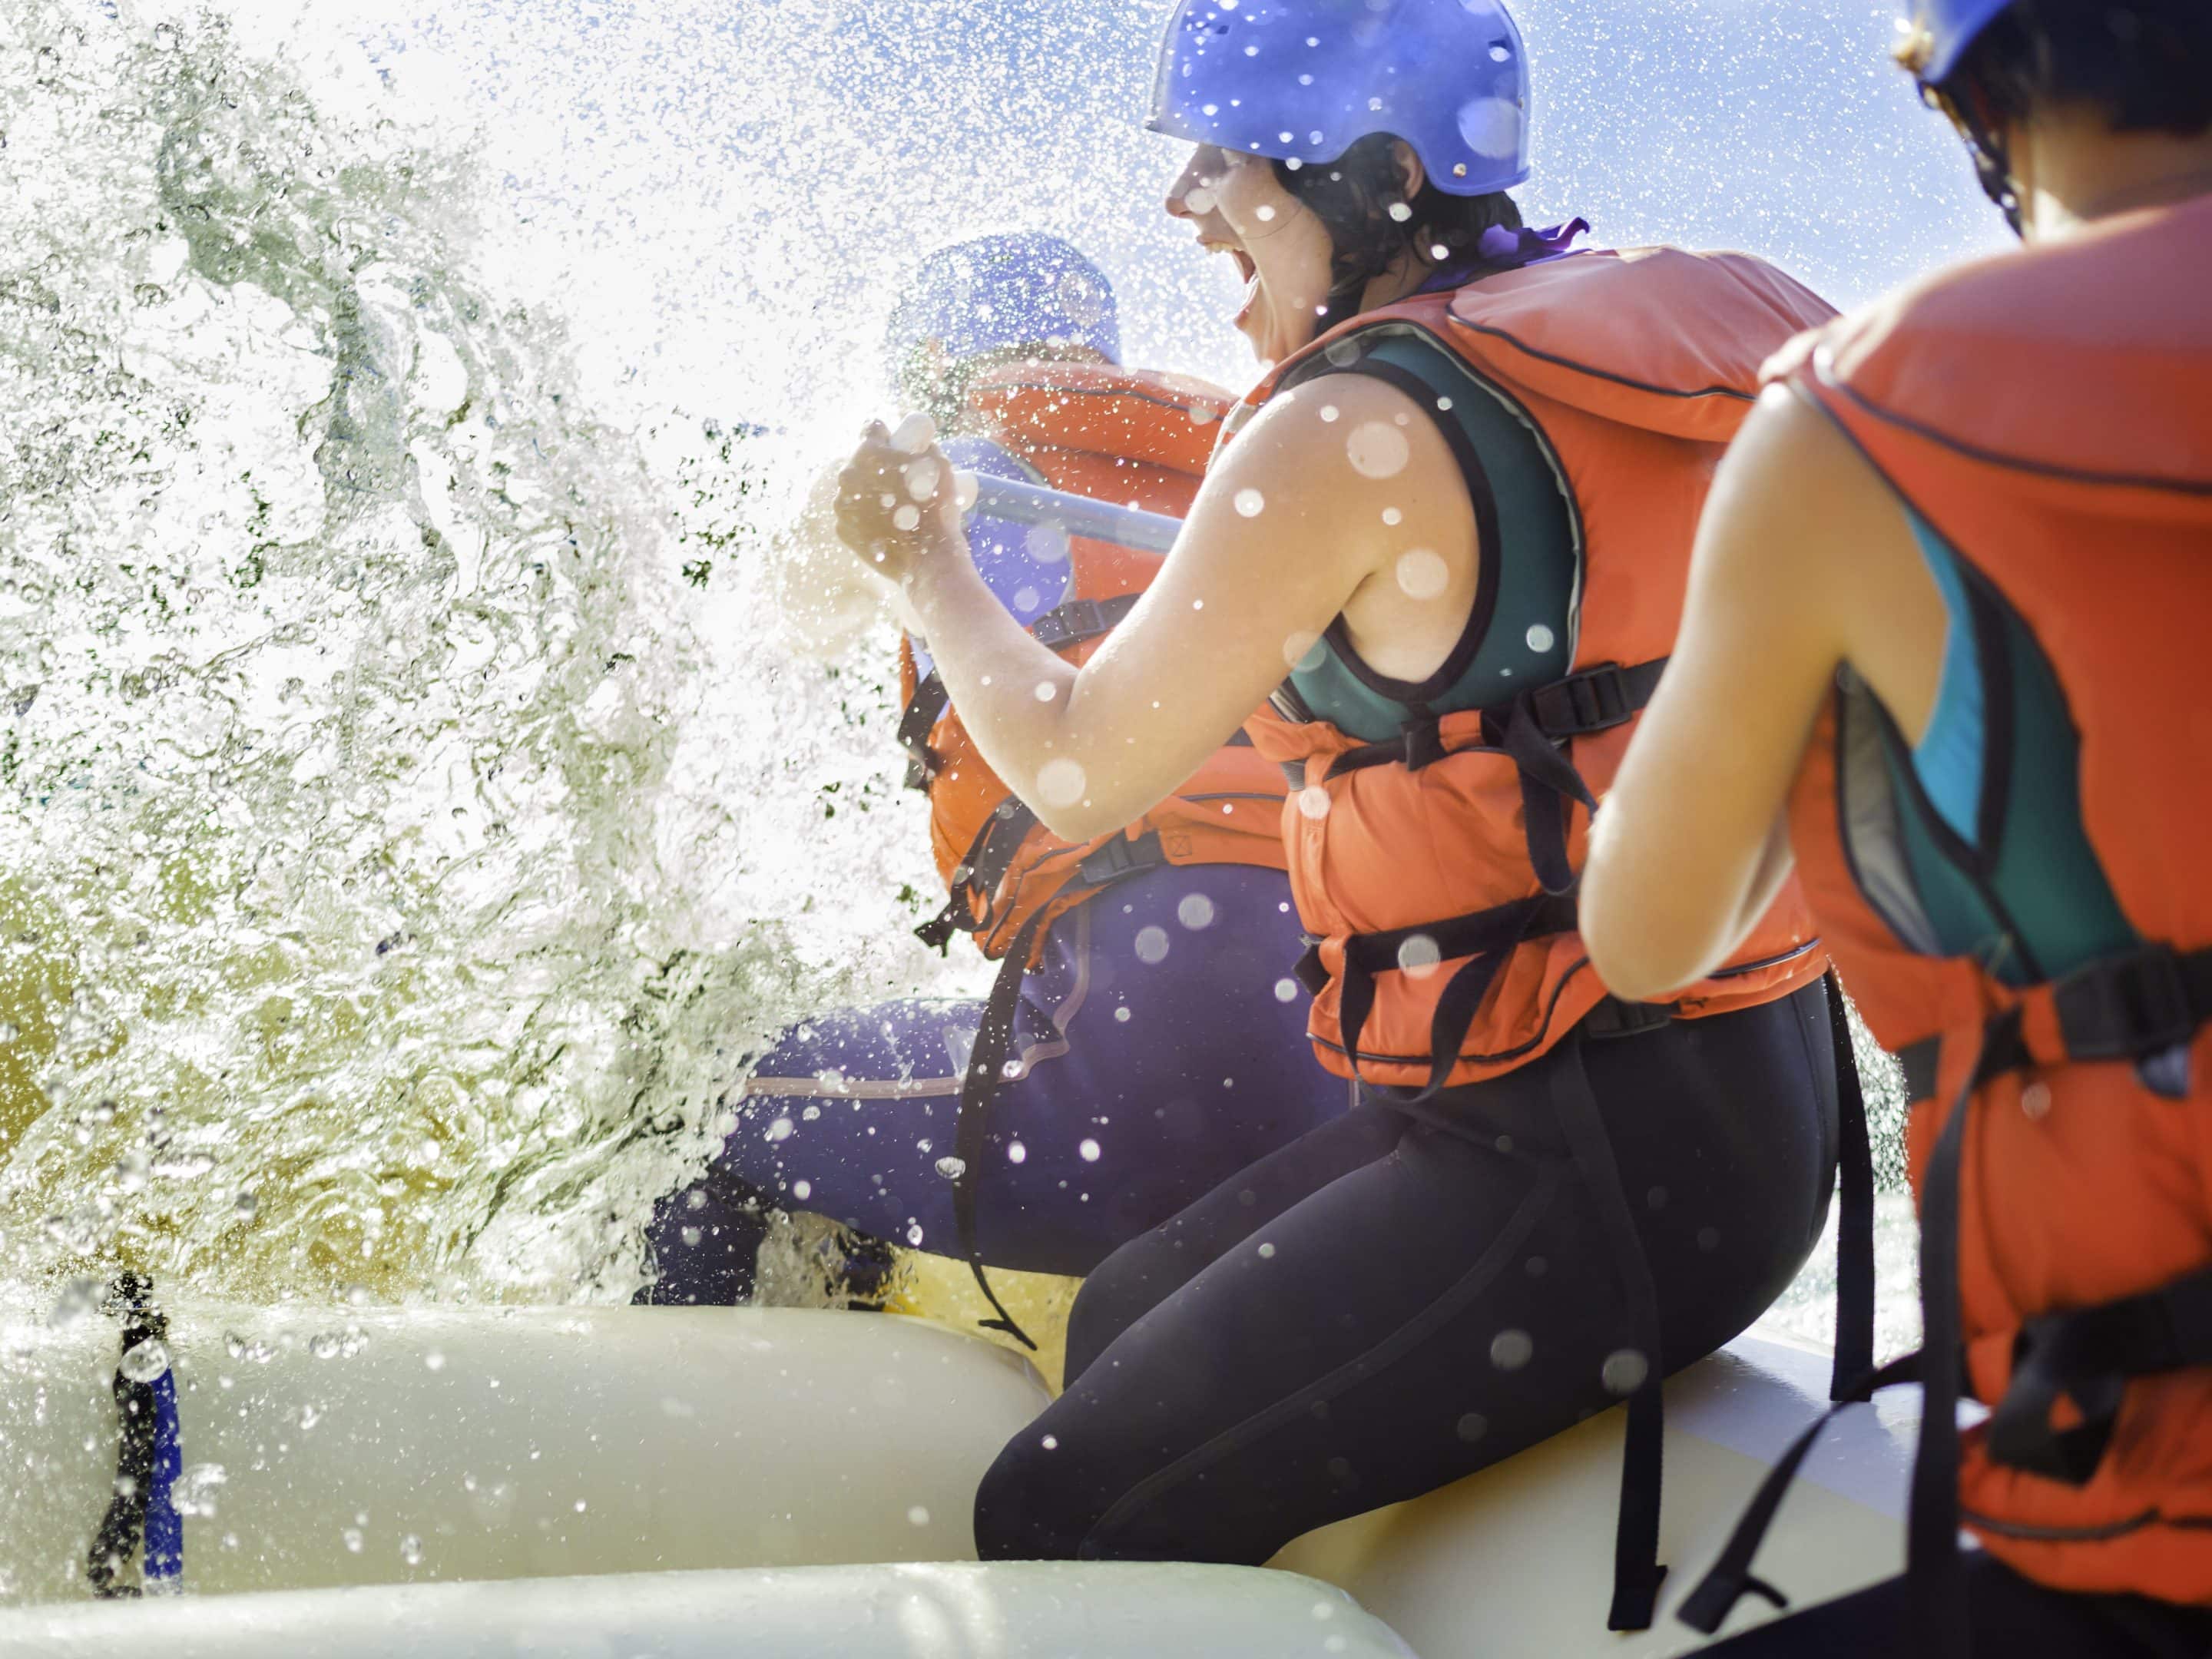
1635, 953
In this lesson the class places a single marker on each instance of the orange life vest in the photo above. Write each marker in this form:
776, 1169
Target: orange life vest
2049, 413
1119, 436
1635, 368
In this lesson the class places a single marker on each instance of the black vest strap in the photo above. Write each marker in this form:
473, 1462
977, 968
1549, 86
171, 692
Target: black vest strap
2142, 1006
124, 1524
1070, 623
1116, 861
1484, 937
1637, 1574
1854, 1276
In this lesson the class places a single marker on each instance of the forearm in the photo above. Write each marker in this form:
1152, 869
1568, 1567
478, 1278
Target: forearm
1014, 695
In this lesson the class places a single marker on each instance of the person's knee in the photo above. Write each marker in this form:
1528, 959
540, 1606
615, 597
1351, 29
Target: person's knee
1025, 1508
1126, 1286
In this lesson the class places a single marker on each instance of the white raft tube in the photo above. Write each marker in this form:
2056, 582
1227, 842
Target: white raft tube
329, 1448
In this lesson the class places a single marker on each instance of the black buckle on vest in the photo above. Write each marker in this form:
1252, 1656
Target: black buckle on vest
1614, 1019
2127, 1007
1592, 701
1122, 857
1309, 972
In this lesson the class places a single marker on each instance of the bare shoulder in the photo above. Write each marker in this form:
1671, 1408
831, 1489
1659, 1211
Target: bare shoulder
1338, 428
1793, 495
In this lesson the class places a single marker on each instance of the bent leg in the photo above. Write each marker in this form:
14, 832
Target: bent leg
1148, 1073
1153, 1267
1445, 1305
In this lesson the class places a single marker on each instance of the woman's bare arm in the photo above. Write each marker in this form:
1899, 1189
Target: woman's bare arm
1280, 538
1690, 846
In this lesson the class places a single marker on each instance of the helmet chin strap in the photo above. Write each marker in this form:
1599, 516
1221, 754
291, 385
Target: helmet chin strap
1992, 160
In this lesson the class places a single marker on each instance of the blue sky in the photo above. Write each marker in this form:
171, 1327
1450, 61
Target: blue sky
759, 175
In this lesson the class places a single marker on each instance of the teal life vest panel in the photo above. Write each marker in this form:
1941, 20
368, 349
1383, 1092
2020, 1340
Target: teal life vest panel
1520, 630
1971, 844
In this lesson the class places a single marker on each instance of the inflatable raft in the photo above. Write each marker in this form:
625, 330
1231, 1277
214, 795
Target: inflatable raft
610, 1482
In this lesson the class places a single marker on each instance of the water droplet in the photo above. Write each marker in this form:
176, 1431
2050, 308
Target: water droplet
143, 1362
2035, 1100
352, 1536
909, 517
194, 1491
1419, 955
1263, 212
1330, 414
411, 1550
951, 1168
1377, 449
1400, 212
1061, 782
1314, 802
1535, 1266
1625, 1371
1491, 127
1540, 638
1709, 1239
1121, 1016
914, 1234
1196, 912
1304, 652
1016, 1153
433, 1361
1050, 1443
1088, 1151
1267, 1253
1423, 574
918, 1515
802, 1190
1510, 1350
781, 1129
1251, 503
1199, 200
691, 1236
1391, 515
1473, 1426
1287, 990
1152, 944
922, 478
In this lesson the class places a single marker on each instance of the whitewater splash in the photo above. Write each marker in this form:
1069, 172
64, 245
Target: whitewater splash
413, 800
377, 851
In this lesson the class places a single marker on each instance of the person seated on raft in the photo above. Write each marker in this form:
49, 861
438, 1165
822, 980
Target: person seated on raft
1949, 602
1151, 1048
1458, 511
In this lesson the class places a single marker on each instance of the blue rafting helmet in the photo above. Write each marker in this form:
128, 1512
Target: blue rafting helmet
1019, 290
1936, 39
1939, 32
1304, 79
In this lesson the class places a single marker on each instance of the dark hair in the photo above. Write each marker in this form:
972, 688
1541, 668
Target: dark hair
2146, 64
1353, 197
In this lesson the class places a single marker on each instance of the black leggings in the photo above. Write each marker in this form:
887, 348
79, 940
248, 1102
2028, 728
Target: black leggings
2008, 1614
1406, 1295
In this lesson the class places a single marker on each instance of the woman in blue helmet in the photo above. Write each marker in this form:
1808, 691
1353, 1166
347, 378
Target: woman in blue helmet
1952, 589
1458, 511
1147, 1016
